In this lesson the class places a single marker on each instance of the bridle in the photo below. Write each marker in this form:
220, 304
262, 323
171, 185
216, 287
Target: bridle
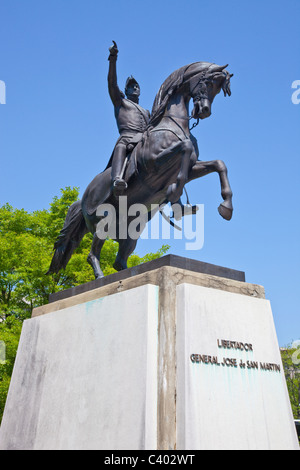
200, 95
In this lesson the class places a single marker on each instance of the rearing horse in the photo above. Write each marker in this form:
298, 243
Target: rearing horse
160, 165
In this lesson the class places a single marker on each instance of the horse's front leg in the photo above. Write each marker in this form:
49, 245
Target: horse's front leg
184, 150
204, 168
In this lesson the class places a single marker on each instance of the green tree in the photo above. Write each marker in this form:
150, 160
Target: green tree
10, 331
26, 249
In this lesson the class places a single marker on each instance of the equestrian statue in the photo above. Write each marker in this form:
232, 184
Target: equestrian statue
154, 158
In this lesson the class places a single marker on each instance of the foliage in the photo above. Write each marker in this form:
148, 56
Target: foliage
26, 249
10, 331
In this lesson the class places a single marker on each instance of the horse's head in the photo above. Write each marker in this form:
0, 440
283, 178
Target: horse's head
200, 80
205, 85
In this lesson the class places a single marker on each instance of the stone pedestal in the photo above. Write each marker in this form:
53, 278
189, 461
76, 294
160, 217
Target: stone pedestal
158, 357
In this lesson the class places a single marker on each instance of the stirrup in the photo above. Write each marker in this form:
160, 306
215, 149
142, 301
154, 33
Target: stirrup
119, 185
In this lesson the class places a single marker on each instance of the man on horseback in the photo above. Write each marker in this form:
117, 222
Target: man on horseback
131, 118
167, 162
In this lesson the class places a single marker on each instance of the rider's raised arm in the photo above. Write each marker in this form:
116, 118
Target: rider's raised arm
115, 93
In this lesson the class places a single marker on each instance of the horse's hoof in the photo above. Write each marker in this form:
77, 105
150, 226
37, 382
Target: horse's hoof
225, 212
119, 266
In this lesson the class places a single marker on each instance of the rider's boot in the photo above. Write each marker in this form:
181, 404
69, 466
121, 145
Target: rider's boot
119, 185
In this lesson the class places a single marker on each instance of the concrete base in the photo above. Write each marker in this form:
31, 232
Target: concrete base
86, 377
154, 361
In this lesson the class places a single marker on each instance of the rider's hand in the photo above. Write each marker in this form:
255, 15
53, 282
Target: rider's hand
113, 50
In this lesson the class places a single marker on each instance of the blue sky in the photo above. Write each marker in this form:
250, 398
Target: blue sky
57, 127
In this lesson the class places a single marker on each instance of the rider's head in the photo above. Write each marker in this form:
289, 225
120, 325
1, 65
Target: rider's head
132, 89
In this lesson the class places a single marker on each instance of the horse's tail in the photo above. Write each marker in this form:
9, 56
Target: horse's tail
69, 238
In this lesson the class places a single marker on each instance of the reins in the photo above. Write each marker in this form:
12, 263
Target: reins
195, 123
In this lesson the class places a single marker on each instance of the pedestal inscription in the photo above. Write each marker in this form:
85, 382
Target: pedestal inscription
231, 393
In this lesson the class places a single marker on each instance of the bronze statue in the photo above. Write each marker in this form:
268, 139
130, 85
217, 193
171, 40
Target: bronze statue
131, 118
163, 160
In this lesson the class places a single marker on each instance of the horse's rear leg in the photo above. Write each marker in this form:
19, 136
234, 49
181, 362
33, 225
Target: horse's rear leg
94, 256
126, 247
183, 150
204, 168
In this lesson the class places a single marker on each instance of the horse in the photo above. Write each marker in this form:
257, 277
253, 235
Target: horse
158, 168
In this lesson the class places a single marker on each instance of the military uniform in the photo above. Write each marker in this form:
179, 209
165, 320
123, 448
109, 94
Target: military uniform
131, 118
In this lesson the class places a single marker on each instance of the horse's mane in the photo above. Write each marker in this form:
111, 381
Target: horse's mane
172, 84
